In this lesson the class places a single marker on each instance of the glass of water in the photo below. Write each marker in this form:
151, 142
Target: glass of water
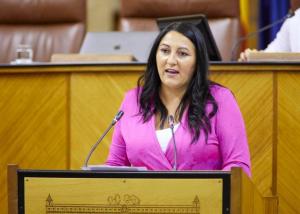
24, 54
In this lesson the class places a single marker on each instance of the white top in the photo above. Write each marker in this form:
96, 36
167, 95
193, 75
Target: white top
164, 136
288, 37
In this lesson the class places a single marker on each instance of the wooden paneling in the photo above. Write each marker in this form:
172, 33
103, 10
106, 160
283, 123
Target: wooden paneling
245, 197
32, 125
254, 94
95, 99
288, 185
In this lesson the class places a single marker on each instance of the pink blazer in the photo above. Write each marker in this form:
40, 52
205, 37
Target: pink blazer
135, 143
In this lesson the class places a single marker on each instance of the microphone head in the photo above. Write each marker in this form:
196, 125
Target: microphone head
117, 117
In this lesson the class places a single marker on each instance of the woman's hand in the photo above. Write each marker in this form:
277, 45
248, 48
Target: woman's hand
244, 56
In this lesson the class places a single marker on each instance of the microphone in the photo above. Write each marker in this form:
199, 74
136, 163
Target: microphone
114, 121
290, 14
171, 124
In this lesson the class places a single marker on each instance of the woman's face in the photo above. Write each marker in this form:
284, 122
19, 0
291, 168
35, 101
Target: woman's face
176, 60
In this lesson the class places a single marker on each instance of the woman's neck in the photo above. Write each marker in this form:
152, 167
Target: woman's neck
171, 98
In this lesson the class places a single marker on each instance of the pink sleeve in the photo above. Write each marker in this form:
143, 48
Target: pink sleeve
230, 129
117, 154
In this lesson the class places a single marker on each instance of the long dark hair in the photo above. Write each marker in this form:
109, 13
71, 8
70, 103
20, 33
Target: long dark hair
197, 95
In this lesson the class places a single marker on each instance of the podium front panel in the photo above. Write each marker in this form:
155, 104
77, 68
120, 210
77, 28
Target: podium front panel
123, 192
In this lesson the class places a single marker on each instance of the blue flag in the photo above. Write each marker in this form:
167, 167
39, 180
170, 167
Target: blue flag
269, 12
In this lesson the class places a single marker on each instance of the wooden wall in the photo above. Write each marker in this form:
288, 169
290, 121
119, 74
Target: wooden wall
52, 115
288, 143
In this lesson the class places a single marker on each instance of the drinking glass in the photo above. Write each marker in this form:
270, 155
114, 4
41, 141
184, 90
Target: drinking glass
24, 54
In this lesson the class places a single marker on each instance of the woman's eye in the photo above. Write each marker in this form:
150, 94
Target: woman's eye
164, 50
183, 53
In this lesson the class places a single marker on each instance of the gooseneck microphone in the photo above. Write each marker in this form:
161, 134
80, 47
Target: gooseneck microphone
114, 121
290, 14
171, 124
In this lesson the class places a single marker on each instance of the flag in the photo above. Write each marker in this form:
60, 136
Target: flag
244, 17
269, 12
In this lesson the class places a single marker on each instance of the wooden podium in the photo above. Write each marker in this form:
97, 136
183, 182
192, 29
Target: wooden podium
70, 191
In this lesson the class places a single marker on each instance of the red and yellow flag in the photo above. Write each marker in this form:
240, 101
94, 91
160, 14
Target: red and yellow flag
244, 16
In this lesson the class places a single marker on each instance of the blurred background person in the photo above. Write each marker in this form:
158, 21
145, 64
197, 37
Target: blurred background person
286, 39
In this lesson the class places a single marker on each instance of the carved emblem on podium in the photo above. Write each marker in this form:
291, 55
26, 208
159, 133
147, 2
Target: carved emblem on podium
124, 205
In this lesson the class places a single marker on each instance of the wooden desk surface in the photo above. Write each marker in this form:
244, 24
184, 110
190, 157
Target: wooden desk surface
104, 67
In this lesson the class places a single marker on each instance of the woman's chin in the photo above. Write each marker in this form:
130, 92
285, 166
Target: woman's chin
174, 85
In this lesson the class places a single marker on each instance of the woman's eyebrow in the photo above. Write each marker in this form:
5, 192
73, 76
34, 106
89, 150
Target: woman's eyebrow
164, 44
184, 48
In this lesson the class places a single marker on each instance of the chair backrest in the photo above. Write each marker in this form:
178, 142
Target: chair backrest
223, 17
48, 26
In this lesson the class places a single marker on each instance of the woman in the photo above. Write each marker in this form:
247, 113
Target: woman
209, 129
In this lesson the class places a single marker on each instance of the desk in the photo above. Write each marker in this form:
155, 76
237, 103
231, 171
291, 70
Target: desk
51, 115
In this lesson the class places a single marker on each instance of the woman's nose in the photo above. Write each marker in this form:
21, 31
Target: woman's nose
172, 59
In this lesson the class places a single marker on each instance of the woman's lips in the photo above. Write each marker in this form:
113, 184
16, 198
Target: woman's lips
171, 71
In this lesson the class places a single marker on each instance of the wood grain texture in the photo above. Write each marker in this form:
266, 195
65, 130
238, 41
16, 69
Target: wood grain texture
33, 124
12, 188
123, 195
254, 94
95, 99
245, 197
288, 184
